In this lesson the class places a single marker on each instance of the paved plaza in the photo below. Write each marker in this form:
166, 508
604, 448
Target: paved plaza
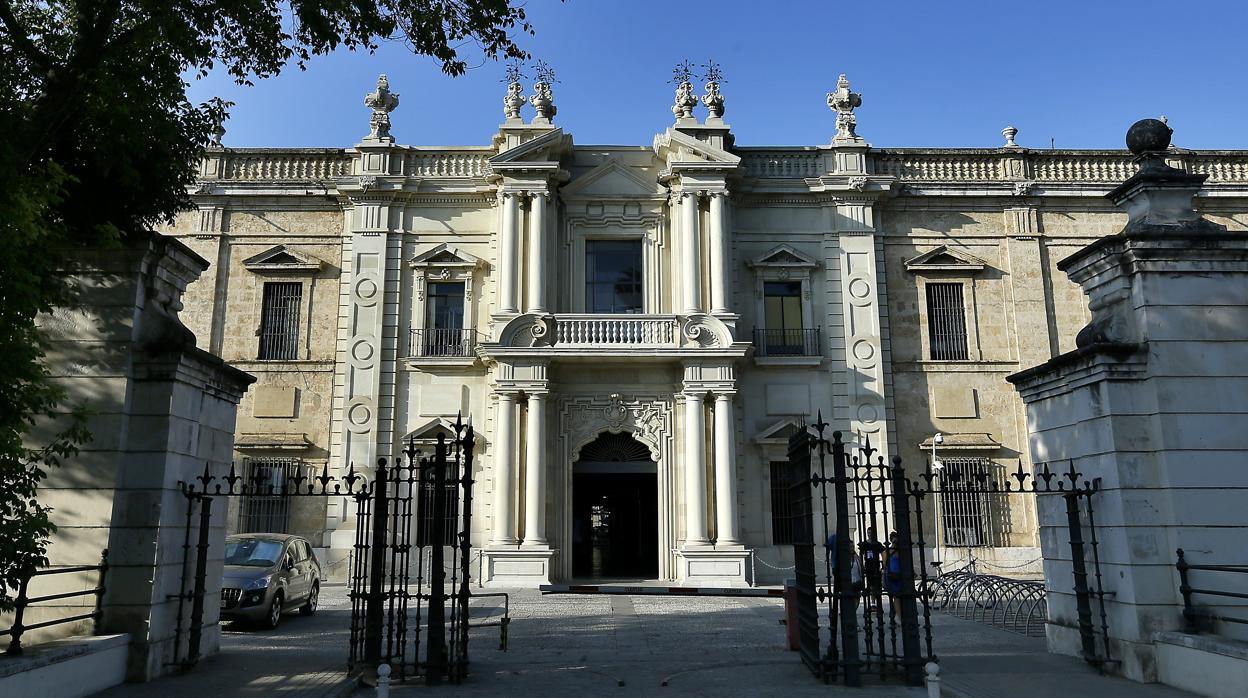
627, 646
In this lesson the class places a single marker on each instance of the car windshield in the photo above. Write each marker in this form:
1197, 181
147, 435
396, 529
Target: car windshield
255, 552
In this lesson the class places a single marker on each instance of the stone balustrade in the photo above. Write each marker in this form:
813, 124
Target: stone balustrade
781, 164
616, 330
449, 164
284, 164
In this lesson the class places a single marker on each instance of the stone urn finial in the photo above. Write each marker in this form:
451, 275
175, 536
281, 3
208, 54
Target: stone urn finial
382, 102
543, 99
1009, 132
685, 98
713, 100
514, 99
843, 102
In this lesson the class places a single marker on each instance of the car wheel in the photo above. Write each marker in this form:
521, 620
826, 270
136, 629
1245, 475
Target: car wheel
275, 612
309, 607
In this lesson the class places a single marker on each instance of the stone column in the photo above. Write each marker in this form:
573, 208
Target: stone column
691, 252
504, 470
537, 253
695, 471
535, 472
508, 261
721, 253
725, 473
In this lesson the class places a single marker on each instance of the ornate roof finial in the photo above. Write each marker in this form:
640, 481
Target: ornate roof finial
713, 100
843, 102
382, 102
515, 93
685, 99
218, 132
1009, 132
543, 100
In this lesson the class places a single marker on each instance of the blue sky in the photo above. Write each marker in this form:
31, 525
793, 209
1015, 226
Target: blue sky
934, 74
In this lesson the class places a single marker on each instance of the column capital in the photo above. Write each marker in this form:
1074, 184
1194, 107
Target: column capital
542, 193
505, 394
690, 192
725, 394
698, 392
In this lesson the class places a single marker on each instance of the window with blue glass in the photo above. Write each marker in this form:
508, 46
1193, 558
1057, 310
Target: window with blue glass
613, 276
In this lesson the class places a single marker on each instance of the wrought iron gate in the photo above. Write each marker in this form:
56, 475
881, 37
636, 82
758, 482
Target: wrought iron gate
864, 593
413, 523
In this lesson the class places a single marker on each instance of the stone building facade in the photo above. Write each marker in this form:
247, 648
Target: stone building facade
635, 330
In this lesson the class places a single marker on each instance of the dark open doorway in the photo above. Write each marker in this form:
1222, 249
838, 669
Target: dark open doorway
615, 525
615, 510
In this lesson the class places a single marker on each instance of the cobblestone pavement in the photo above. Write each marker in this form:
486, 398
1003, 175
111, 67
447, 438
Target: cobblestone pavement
628, 646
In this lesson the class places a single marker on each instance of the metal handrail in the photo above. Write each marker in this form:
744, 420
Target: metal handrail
791, 342
24, 600
502, 623
1193, 616
442, 342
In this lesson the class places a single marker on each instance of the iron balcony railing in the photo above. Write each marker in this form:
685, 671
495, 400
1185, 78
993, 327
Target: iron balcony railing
24, 600
804, 342
1196, 617
443, 342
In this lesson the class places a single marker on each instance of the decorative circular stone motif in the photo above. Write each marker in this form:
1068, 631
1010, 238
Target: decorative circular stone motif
859, 288
362, 351
863, 350
868, 414
359, 416
1148, 136
365, 291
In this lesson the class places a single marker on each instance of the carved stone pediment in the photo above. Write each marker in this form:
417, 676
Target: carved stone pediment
945, 258
647, 419
550, 147
777, 434
611, 180
783, 256
444, 255
282, 260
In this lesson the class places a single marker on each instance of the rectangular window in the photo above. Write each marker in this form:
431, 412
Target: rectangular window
613, 276
946, 322
279, 321
781, 512
266, 508
966, 502
424, 522
444, 333
782, 309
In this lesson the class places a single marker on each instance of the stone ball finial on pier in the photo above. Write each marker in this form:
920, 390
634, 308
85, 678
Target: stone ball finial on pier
382, 101
1148, 136
1158, 196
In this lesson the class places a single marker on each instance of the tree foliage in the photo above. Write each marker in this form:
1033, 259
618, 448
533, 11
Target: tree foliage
100, 141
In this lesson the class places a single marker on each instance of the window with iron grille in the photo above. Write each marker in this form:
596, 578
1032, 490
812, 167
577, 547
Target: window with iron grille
966, 502
781, 512
946, 322
267, 508
424, 523
279, 321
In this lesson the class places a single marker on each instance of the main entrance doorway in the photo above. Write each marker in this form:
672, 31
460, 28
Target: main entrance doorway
615, 516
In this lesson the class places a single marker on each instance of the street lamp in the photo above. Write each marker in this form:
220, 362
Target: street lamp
937, 439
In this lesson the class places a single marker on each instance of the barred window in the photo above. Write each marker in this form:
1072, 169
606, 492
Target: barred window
946, 322
267, 508
424, 523
279, 321
967, 503
781, 512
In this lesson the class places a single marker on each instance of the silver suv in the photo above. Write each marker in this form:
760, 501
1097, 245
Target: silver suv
267, 574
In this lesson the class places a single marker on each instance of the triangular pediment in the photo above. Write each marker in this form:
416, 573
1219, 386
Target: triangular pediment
784, 256
778, 433
945, 258
282, 259
611, 179
680, 148
443, 255
426, 434
549, 147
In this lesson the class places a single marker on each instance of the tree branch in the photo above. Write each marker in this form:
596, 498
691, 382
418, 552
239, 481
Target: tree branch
20, 40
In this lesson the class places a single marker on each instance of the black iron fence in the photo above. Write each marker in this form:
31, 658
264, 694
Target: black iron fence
804, 342
25, 600
1198, 618
443, 342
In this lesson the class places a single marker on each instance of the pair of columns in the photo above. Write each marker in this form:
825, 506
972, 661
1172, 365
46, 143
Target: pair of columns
509, 252
505, 471
691, 250
725, 466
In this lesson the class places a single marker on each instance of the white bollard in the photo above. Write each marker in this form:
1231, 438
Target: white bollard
383, 681
933, 679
